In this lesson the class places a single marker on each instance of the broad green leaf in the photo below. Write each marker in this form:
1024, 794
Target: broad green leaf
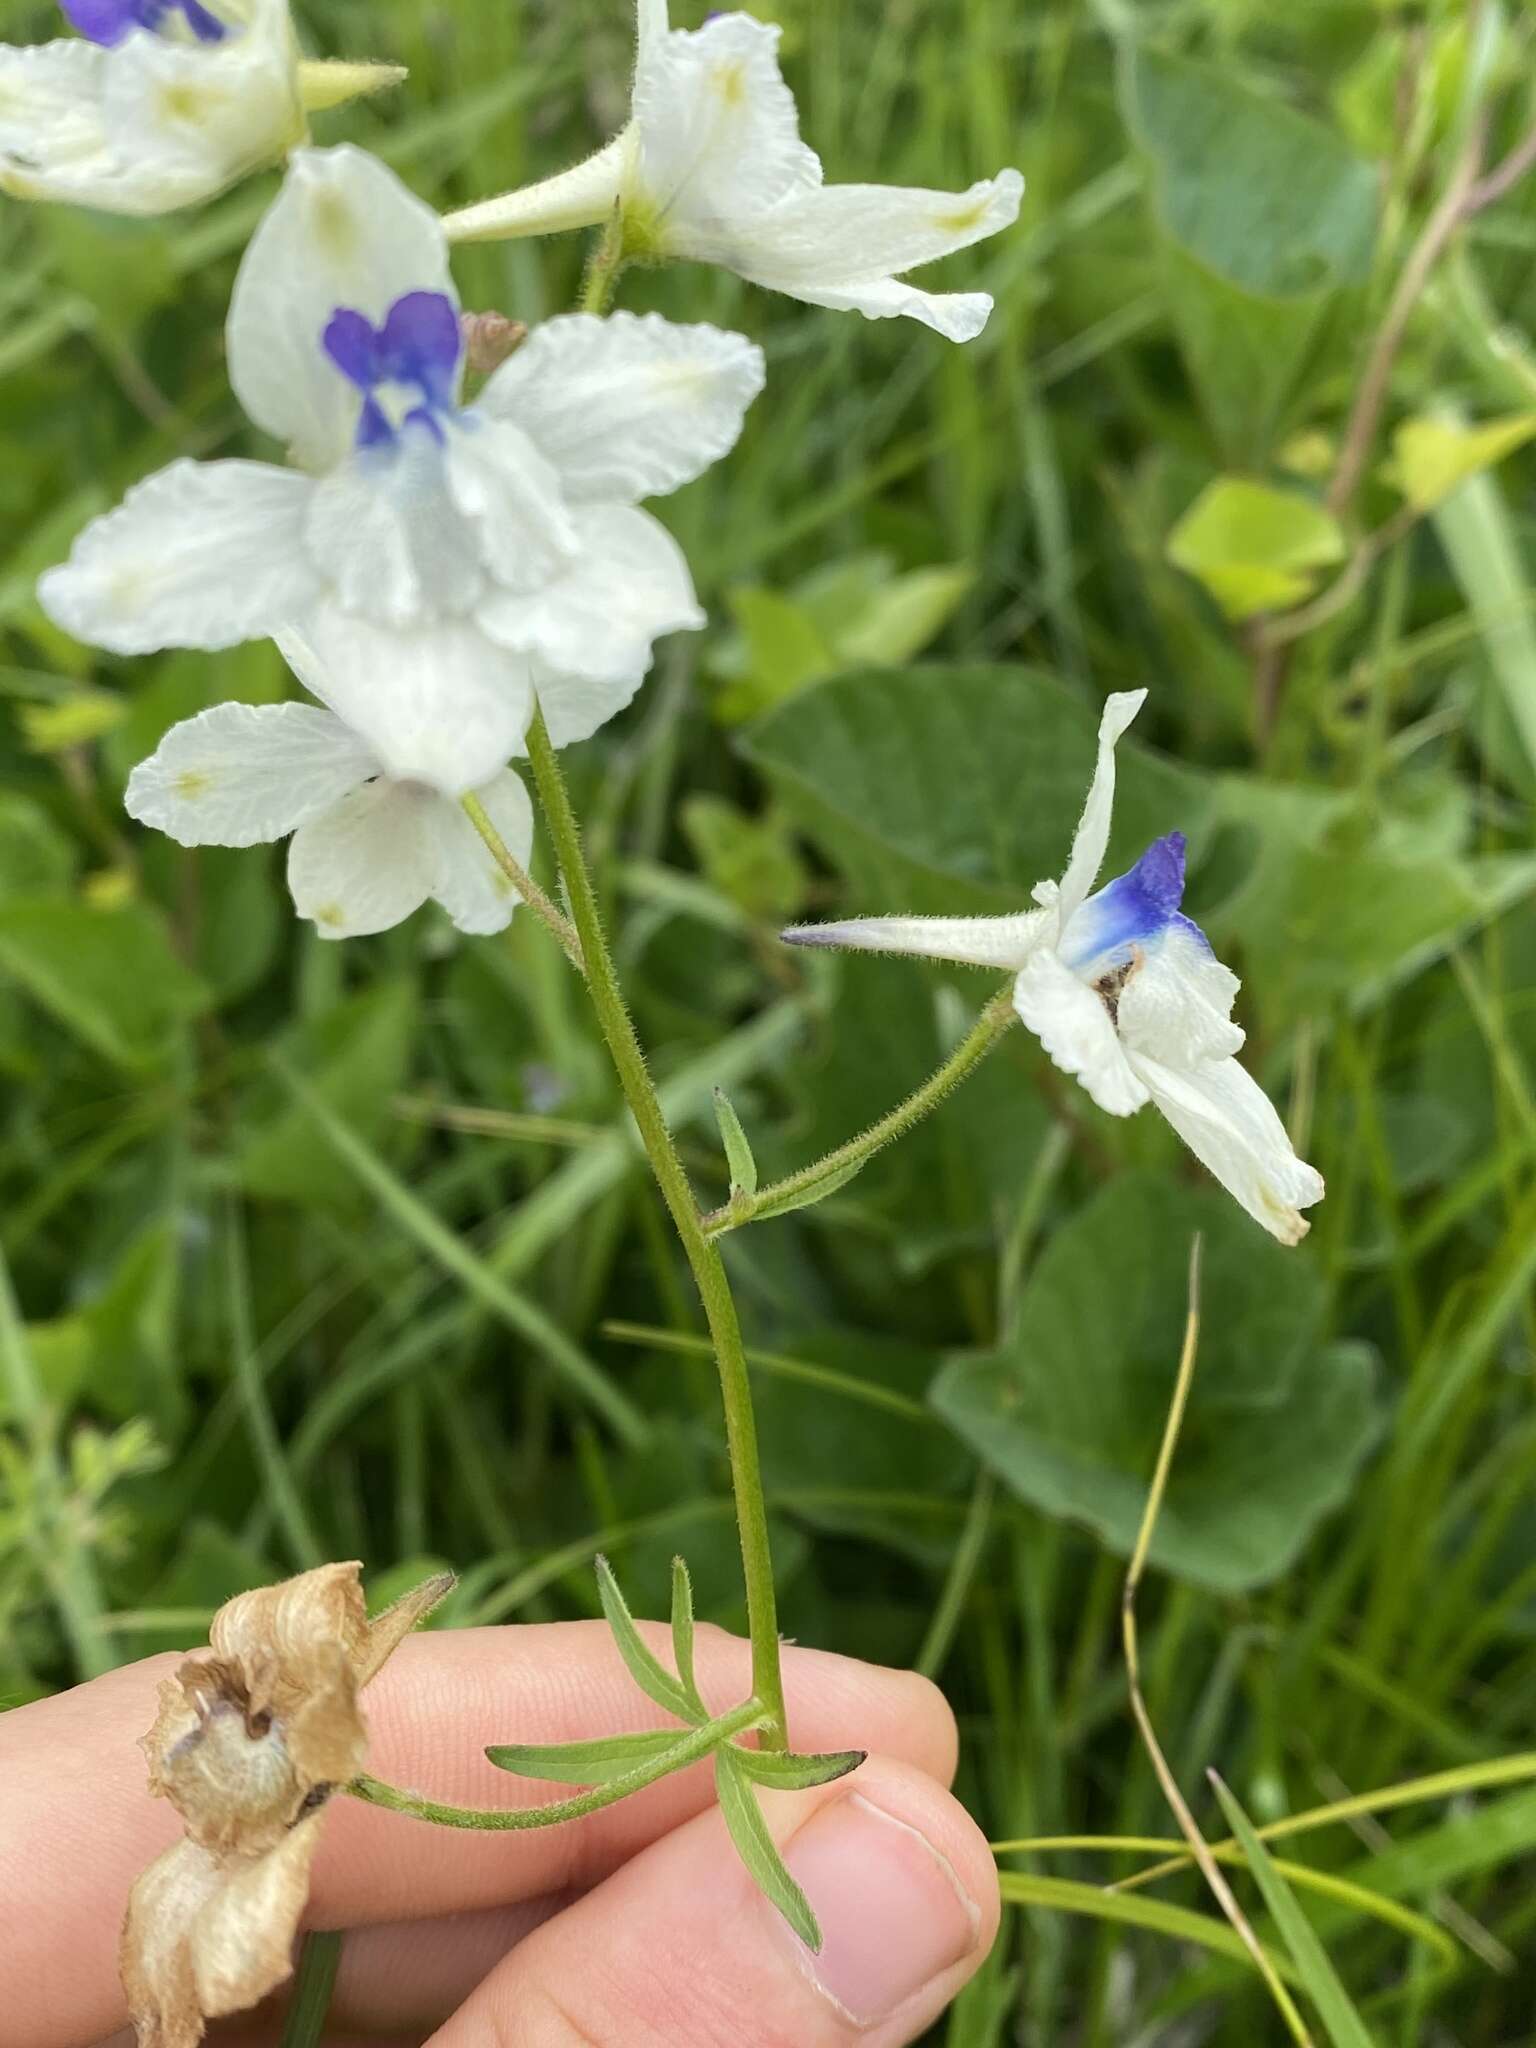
1432, 457
957, 789
1070, 1412
755, 1846
1317, 1975
1335, 902
1254, 548
682, 1632
782, 1771
1261, 194
648, 1672
110, 976
598, 1762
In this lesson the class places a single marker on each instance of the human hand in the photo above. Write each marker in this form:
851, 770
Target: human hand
635, 1928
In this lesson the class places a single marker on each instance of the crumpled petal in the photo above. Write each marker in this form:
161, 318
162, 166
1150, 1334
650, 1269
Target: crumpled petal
717, 132
441, 705
1230, 1125
244, 774
1091, 840
466, 880
155, 1954
243, 1939
629, 586
203, 554
1071, 1022
628, 407
367, 864
1005, 942
343, 232
1176, 1002
51, 132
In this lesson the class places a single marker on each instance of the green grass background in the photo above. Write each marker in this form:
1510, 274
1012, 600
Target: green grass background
318, 1250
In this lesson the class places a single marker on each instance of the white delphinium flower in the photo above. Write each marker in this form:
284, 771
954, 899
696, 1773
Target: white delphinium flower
1124, 992
442, 562
366, 851
157, 104
711, 169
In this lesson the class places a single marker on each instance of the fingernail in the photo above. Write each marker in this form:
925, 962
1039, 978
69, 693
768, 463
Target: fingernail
894, 1915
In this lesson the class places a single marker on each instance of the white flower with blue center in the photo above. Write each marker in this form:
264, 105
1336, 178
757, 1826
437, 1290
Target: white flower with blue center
442, 563
366, 850
711, 169
1124, 992
157, 104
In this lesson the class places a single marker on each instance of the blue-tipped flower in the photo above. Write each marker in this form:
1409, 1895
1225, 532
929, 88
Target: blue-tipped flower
1124, 992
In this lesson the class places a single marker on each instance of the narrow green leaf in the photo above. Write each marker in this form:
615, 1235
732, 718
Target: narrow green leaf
598, 1762
1317, 1974
738, 1153
1130, 1909
652, 1677
682, 1631
754, 1845
783, 1772
805, 1196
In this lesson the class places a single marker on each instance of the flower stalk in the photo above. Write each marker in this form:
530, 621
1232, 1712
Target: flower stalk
704, 1260
829, 1172
543, 909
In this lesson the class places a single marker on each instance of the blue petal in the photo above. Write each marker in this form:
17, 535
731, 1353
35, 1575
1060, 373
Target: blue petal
353, 346
420, 343
109, 21
1134, 909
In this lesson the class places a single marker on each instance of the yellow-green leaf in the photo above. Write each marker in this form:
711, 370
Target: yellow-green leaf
1431, 457
1254, 547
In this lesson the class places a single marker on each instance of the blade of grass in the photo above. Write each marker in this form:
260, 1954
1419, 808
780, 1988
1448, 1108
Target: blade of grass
1319, 1978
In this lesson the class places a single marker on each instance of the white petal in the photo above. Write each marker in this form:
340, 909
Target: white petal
718, 132
630, 585
510, 499
385, 535
578, 198
843, 235
204, 554
1071, 1022
343, 231
972, 941
958, 316
1230, 1125
1176, 1004
52, 141
628, 407
242, 774
152, 124
368, 862
198, 116
467, 882
650, 23
1092, 837
441, 705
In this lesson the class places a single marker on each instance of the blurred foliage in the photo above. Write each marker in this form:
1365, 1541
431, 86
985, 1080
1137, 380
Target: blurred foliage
317, 1249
